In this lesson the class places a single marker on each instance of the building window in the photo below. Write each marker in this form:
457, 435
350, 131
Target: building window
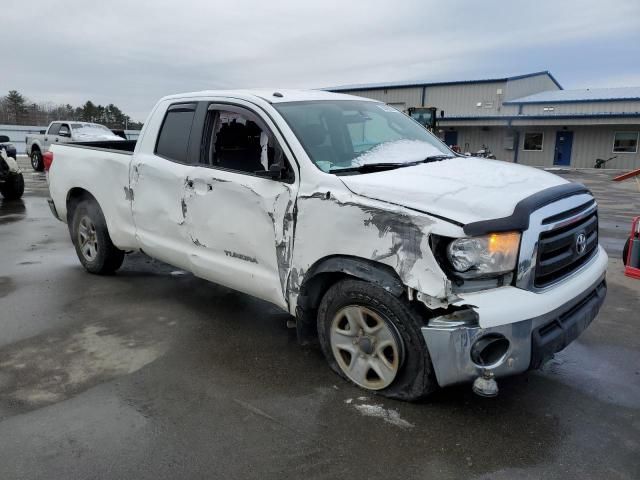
625, 142
533, 142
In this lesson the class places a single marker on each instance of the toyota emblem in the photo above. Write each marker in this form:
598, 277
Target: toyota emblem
581, 243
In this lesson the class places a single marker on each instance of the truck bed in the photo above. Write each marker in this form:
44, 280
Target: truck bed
101, 169
121, 146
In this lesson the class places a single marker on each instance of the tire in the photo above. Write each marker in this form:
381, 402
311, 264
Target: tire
37, 162
90, 236
408, 374
13, 187
625, 251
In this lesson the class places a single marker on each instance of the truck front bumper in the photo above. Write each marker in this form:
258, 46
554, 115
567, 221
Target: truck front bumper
523, 344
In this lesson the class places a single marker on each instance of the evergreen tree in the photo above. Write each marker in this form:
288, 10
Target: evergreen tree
16, 106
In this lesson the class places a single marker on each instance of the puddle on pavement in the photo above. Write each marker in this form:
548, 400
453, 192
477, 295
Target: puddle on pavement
600, 371
6, 286
50, 368
12, 211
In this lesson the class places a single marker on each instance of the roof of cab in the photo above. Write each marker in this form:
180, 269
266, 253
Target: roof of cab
270, 95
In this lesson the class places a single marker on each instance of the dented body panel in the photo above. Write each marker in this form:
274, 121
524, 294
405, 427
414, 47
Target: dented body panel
445, 188
240, 231
369, 229
267, 237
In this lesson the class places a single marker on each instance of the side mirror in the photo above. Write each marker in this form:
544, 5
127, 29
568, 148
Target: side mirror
4, 139
274, 172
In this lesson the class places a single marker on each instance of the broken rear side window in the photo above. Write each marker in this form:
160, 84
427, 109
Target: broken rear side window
173, 139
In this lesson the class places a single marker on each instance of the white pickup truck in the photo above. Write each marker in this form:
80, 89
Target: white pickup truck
413, 267
64, 131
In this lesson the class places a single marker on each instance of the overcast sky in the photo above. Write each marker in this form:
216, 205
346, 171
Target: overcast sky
132, 52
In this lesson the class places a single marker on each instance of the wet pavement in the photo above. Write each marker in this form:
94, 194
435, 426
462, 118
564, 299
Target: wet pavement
153, 373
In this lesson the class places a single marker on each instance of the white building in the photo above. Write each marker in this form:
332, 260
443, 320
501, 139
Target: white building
528, 119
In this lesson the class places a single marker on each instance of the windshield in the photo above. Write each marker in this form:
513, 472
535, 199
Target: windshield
90, 129
346, 134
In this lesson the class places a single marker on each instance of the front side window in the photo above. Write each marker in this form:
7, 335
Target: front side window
173, 139
533, 142
625, 142
237, 140
347, 134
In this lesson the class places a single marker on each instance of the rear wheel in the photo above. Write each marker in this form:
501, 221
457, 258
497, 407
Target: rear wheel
373, 339
13, 188
90, 236
36, 160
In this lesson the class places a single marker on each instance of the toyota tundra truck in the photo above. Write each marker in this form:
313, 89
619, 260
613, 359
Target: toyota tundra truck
413, 267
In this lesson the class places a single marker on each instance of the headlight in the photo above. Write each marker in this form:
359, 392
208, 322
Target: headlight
489, 254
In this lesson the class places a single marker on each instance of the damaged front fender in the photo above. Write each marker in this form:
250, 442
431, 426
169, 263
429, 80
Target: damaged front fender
344, 225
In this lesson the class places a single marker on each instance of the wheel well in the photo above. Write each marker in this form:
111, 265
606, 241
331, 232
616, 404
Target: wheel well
35, 147
74, 197
327, 272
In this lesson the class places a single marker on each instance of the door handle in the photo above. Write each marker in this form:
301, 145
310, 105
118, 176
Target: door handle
56, 139
189, 183
46, 139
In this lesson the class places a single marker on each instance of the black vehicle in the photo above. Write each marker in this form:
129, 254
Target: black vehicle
11, 179
119, 132
9, 147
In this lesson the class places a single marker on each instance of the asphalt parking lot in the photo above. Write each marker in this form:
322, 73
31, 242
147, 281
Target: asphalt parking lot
153, 373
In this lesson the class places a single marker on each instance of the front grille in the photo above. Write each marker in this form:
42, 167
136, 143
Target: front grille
559, 251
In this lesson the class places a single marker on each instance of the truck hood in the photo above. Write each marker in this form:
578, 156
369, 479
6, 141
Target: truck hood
463, 189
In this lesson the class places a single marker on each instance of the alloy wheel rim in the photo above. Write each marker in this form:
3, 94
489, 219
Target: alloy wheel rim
87, 239
367, 348
35, 160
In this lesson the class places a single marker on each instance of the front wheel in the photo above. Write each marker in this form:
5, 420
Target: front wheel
13, 187
373, 339
92, 241
36, 161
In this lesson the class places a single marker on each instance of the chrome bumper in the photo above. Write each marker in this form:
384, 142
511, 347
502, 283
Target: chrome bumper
531, 342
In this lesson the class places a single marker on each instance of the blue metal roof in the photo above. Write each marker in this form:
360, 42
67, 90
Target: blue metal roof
583, 95
376, 86
568, 116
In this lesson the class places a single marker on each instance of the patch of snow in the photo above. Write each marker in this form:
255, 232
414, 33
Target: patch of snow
387, 414
401, 151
